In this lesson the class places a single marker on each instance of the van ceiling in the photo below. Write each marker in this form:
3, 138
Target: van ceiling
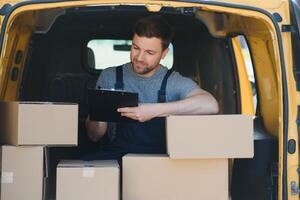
117, 22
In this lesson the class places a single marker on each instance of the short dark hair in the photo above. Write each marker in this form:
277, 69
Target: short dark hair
154, 26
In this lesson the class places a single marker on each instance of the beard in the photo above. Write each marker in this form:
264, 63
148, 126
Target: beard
146, 70
141, 67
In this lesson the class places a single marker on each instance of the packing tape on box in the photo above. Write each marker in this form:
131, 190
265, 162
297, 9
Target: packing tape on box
7, 177
88, 172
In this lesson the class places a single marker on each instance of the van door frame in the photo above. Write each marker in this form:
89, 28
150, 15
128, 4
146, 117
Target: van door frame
284, 180
295, 36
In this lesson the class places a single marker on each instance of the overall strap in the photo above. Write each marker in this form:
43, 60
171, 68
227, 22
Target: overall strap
162, 91
119, 85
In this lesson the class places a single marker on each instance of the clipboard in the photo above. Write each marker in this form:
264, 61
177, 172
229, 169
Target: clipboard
103, 104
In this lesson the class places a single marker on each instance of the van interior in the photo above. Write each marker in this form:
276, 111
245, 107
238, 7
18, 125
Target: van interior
61, 62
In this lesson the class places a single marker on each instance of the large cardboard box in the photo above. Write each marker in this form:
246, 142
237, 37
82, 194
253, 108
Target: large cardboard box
81, 180
149, 177
210, 136
28, 123
22, 173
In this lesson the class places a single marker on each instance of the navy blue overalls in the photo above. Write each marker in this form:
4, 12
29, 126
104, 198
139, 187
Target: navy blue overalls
136, 137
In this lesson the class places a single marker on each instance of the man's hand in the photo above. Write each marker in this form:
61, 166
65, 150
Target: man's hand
95, 129
141, 113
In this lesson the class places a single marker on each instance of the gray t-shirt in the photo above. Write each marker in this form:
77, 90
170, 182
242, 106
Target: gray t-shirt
178, 87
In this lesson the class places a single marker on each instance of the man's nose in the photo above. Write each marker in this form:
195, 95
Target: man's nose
140, 56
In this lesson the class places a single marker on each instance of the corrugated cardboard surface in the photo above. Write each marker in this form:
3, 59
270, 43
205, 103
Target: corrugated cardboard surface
39, 123
210, 136
21, 173
149, 177
82, 180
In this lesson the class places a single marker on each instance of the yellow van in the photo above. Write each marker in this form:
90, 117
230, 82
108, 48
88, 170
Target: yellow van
245, 52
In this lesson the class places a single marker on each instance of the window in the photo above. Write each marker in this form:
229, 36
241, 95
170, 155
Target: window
249, 67
246, 75
103, 53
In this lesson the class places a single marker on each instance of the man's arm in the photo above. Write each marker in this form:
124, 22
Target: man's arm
197, 102
95, 130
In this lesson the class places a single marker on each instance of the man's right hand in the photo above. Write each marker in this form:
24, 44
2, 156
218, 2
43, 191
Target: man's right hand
95, 129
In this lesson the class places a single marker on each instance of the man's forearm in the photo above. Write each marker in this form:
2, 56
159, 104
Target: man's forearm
196, 103
200, 103
95, 130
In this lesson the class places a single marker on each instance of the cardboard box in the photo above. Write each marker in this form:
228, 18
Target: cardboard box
22, 173
210, 136
29, 123
81, 180
149, 177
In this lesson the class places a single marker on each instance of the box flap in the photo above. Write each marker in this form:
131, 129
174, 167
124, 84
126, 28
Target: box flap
82, 163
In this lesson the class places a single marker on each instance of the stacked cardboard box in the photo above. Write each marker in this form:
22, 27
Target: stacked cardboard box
26, 128
197, 166
22, 172
29, 123
210, 136
80, 180
148, 177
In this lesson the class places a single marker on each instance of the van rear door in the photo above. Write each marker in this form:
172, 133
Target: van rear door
294, 29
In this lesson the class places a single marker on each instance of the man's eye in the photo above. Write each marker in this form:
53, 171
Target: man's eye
150, 53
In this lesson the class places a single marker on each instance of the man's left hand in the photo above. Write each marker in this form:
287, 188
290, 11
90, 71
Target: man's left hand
141, 113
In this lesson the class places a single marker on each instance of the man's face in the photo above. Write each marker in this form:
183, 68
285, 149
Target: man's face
146, 54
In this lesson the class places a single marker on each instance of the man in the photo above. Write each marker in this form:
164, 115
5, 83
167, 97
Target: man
161, 93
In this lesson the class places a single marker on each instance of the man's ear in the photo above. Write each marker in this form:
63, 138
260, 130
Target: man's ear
164, 53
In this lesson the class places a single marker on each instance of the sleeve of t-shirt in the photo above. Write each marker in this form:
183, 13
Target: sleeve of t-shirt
106, 81
179, 86
106, 78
